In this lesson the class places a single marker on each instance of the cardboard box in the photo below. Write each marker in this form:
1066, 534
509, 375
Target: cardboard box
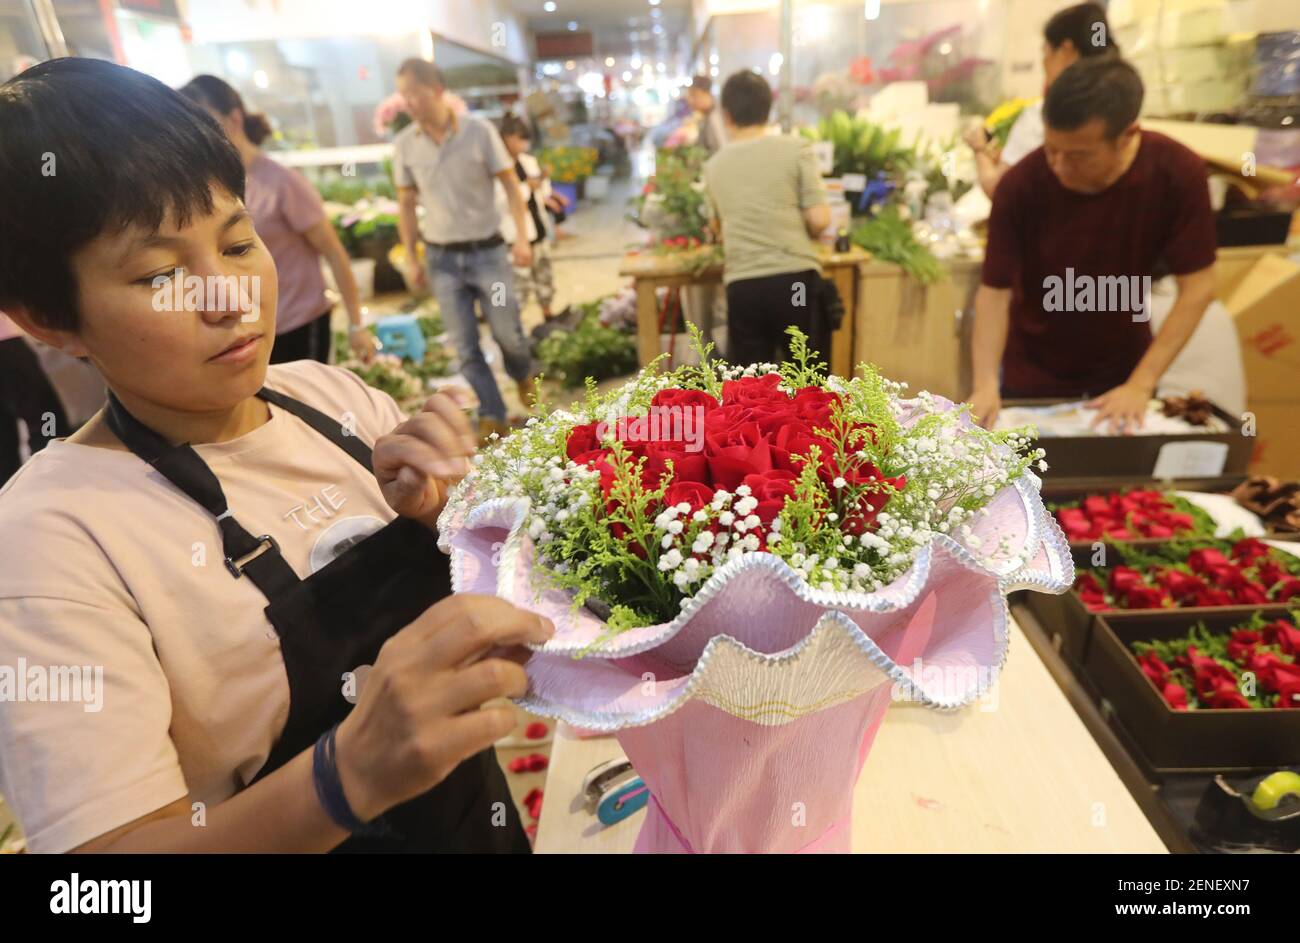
1277, 440
1183, 741
1265, 306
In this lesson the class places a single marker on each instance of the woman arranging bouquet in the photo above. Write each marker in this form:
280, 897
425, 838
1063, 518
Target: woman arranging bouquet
257, 541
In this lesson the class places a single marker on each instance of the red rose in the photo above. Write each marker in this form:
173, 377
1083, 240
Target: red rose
1179, 521
686, 399
795, 439
1282, 634
1265, 665
1231, 700
1286, 589
1242, 644
749, 390
736, 453
1075, 524
688, 492
770, 489
814, 406
1269, 572
581, 439
1122, 579
1249, 550
1154, 668
1225, 576
1201, 560
1093, 600
1180, 585
1211, 677
1288, 692
1144, 597
1212, 597
687, 466
771, 418
1158, 530
1097, 506
870, 503
1250, 594
1175, 696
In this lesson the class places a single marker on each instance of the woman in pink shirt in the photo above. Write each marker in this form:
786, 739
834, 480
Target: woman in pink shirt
290, 217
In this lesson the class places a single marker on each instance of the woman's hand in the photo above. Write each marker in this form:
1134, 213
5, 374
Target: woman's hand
420, 712
975, 136
419, 462
362, 344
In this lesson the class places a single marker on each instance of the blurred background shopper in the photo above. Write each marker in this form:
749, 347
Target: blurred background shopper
447, 164
290, 218
768, 197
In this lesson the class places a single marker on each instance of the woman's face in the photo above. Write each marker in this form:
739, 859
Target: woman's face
1057, 60
183, 318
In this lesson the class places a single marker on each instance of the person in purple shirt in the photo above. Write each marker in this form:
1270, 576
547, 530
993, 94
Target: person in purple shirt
290, 217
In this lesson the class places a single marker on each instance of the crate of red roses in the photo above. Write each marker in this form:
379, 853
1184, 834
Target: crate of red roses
1218, 692
1132, 515
1195, 577
1145, 515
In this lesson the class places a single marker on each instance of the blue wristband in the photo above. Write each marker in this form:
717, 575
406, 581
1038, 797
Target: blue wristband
329, 790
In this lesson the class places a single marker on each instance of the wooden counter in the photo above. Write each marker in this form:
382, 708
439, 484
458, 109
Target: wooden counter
651, 271
1025, 776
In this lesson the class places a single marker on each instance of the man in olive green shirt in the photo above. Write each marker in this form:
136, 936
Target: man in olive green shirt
767, 195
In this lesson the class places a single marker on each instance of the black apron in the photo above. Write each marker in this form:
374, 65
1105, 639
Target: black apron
335, 621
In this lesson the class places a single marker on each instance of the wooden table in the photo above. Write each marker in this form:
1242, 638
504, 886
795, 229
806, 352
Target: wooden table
650, 272
1025, 776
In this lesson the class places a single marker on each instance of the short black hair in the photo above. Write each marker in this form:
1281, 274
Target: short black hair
513, 124
1103, 87
220, 96
423, 71
747, 98
88, 147
702, 83
1085, 26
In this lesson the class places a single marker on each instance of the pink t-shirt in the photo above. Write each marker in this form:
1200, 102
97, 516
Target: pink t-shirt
107, 566
284, 206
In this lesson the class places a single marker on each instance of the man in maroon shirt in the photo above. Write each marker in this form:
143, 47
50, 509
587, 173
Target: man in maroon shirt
1079, 229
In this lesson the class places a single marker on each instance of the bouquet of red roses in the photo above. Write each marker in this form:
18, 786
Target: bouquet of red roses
1127, 515
1247, 572
745, 566
1254, 665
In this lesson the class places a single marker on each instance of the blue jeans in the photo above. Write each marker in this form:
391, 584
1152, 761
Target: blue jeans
458, 279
